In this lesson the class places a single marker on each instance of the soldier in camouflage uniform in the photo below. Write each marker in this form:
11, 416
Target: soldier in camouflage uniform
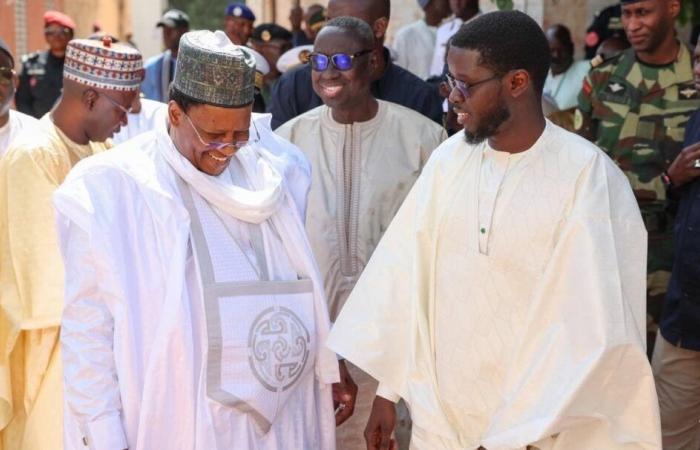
635, 107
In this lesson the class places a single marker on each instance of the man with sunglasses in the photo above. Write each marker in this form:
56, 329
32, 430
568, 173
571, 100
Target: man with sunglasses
293, 94
505, 302
41, 77
11, 122
205, 329
96, 98
365, 155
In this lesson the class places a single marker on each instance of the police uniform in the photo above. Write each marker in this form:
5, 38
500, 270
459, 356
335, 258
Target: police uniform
638, 113
40, 83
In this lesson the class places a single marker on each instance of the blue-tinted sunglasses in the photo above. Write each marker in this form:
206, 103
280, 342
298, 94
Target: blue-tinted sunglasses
341, 61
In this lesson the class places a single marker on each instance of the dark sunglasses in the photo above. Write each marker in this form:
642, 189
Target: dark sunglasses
341, 61
6, 75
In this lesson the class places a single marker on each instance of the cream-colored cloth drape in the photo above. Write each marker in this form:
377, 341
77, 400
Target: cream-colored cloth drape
31, 287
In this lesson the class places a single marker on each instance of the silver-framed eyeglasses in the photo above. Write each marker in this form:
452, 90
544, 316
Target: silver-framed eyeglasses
465, 88
123, 109
219, 146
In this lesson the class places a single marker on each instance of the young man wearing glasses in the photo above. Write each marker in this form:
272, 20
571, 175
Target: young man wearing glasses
365, 155
505, 303
41, 77
94, 103
194, 308
11, 122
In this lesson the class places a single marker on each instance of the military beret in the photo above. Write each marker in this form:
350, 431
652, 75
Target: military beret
240, 10
58, 18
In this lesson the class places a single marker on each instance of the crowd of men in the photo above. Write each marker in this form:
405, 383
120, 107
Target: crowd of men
269, 239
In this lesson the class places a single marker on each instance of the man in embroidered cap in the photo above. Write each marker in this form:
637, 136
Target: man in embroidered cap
41, 76
100, 80
160, 69
194, 308
238, 23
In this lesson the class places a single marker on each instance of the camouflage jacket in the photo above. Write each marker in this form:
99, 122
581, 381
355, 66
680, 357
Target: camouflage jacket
638, 115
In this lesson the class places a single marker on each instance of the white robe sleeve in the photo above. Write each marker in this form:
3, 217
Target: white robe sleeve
90, 379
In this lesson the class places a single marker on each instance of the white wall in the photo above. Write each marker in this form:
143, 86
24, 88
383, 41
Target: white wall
144, 16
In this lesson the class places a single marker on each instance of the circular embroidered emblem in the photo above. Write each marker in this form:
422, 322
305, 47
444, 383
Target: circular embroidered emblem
278, 348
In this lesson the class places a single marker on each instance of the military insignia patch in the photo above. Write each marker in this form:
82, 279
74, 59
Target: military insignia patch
616, 88
687, 91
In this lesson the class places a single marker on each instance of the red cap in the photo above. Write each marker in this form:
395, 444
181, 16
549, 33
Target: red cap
58, 18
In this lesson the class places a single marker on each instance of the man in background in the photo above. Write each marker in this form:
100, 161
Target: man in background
293, 94
635, 107
41, 76
160, 69
238, 23
414, 44
313, 20
271, 41
11, 122
463, 11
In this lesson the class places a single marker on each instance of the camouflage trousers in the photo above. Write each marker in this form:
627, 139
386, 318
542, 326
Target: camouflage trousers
659, 264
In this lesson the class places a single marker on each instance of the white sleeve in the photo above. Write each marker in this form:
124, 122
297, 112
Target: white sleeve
385, 392
87, 336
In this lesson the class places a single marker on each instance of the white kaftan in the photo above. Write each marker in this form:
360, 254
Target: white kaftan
414, 45
137, 332
531, 333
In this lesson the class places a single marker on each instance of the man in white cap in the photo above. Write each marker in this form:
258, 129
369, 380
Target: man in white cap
194, 309
414, 43
100, 80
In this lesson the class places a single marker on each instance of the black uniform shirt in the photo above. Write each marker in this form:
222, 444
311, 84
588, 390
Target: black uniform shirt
40, 83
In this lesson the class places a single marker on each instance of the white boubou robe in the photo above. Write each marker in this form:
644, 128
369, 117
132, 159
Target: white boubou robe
194, 314
506, 303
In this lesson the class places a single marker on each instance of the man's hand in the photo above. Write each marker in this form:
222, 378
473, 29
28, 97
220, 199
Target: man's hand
683, 168
295, 17
380, 425
344, 395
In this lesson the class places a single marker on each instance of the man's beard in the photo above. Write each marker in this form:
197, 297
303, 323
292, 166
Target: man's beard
488, 126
